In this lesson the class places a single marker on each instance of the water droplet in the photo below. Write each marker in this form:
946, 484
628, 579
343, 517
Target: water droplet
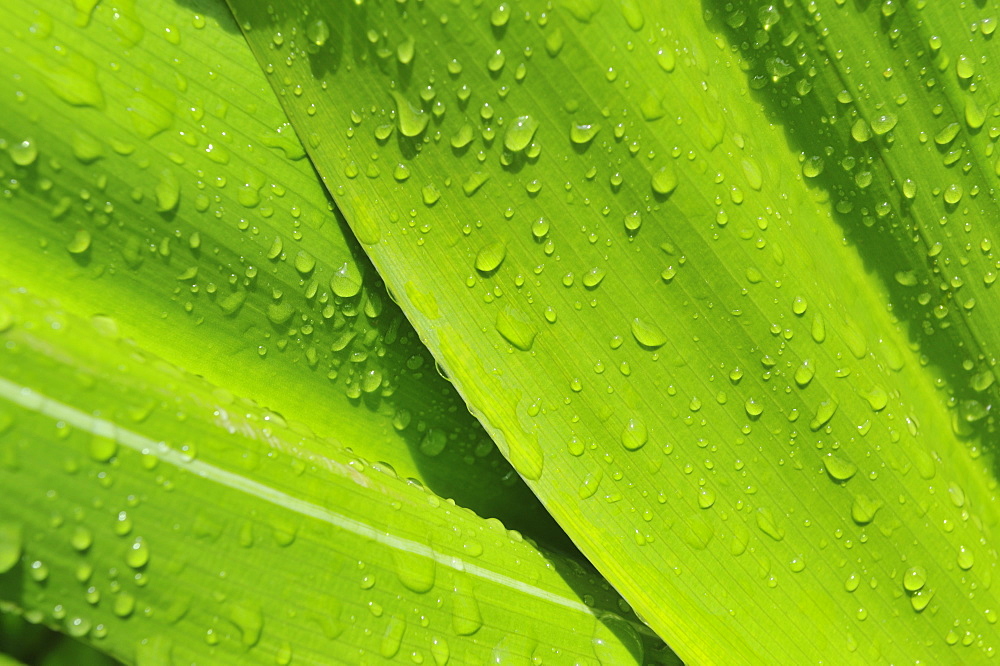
392, 637
964, 67
593, 277
706, 497
667, 59
516, 328
965, 558
634, 435
500, 15
753, 408
648, 335
583, 133
616, 641
24, 152
137, 555
839, 469
440, 651
664, 180
433, 442
318, 32
633, 221
80, 243
768, 525
11, 542
123, 605
920, 599
168, 191
860, 131
864, 508
818, 329
519, 133
405, 51
412, 120
248, 619
81, 539
953, 193
101, 448
466, 618
883, 123
304, 262
346, 280
589, 484
804, 373
490, 256
824, 413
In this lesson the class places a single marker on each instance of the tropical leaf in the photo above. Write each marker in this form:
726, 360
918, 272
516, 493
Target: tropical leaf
151, 177
168, 521
684, 340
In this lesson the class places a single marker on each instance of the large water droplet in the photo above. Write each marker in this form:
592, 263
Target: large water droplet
647, 334
839, 468
634, 434
490, 256
11, 542
664, 180
519, 133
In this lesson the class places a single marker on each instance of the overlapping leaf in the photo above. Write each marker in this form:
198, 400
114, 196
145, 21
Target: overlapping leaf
623, 266
150, 176
166, 521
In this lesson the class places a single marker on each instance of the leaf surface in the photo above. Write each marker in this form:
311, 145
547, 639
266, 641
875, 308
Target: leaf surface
631, 274
151, 177
165, 520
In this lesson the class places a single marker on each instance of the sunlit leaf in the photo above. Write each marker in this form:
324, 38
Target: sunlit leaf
151, 178
167, 521
631, 271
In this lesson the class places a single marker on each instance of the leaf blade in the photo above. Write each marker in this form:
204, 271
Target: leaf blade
766, 415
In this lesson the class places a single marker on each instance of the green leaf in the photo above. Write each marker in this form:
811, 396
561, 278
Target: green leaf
165, 520
151, 178
631, 274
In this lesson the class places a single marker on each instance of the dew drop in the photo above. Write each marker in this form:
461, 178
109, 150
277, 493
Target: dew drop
864, 508
965, 558
23, 153
593, 277
318, 32
883, 123
520, 133
768, 525
839, 469
583, 133
490, 256
648, 335
80, 243
346, 281
634, 435
516, 328
137, 555
411, 120
804, 373
664, 180
11, 542
466, 618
